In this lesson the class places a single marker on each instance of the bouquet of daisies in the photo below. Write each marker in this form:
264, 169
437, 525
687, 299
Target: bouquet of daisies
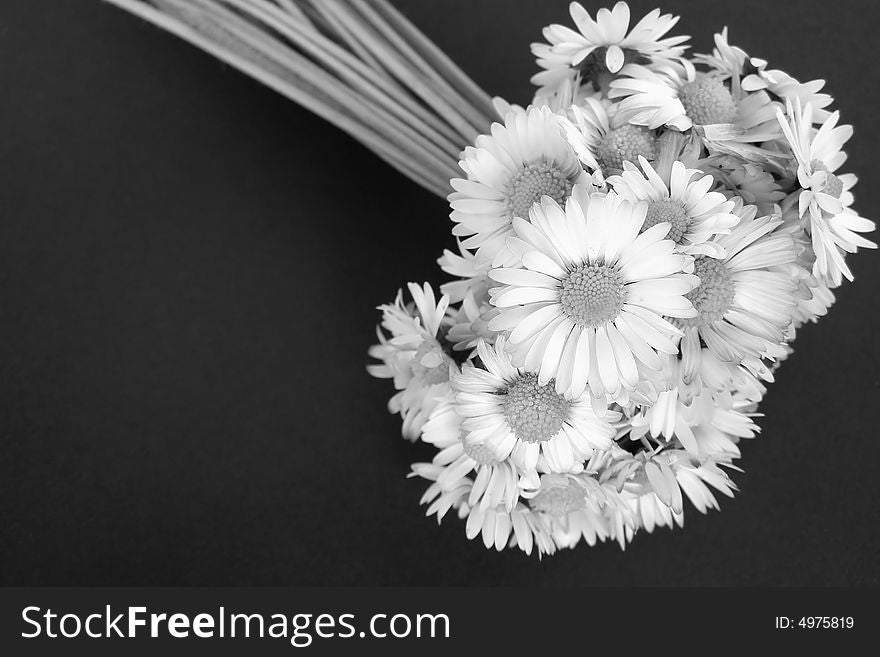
638, 248
636, 251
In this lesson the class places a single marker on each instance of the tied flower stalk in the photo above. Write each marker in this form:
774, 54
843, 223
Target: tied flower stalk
360, 65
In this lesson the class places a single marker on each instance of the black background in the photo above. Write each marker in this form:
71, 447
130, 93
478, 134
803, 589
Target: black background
189, 266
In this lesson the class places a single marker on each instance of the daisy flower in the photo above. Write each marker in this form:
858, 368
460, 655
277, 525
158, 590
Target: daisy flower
601, 47
677, 97
654, 485
696, 480
569, 507
748, 180
647, 471
726, 120
603, 145
588, 298
507, 172
745, 300
574, 507
495, 481
694, 371
694, 213
413, 357
704, 424
508, 413
825, 196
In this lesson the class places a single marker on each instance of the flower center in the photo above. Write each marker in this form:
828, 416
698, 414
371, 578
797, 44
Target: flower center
559, 501
533, 181
625, 143
833, 184
714, 295
481, 454
671, 211
706, 101
534, 413
429, 364
592, 294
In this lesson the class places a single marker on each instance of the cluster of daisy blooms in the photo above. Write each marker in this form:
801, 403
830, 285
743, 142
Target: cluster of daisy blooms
637, 250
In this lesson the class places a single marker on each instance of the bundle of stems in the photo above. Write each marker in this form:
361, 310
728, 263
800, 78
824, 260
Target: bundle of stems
359, 64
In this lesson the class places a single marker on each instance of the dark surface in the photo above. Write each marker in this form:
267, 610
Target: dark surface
190, 265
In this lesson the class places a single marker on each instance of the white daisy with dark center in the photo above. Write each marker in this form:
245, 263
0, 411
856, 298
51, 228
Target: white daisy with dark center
825, 197
589, 297
680, 97
574, 507
600, 143
746, 300
507, 412
694, 214
508, 171
833, 186
656, 492
411, 354
560, 501
489, 481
